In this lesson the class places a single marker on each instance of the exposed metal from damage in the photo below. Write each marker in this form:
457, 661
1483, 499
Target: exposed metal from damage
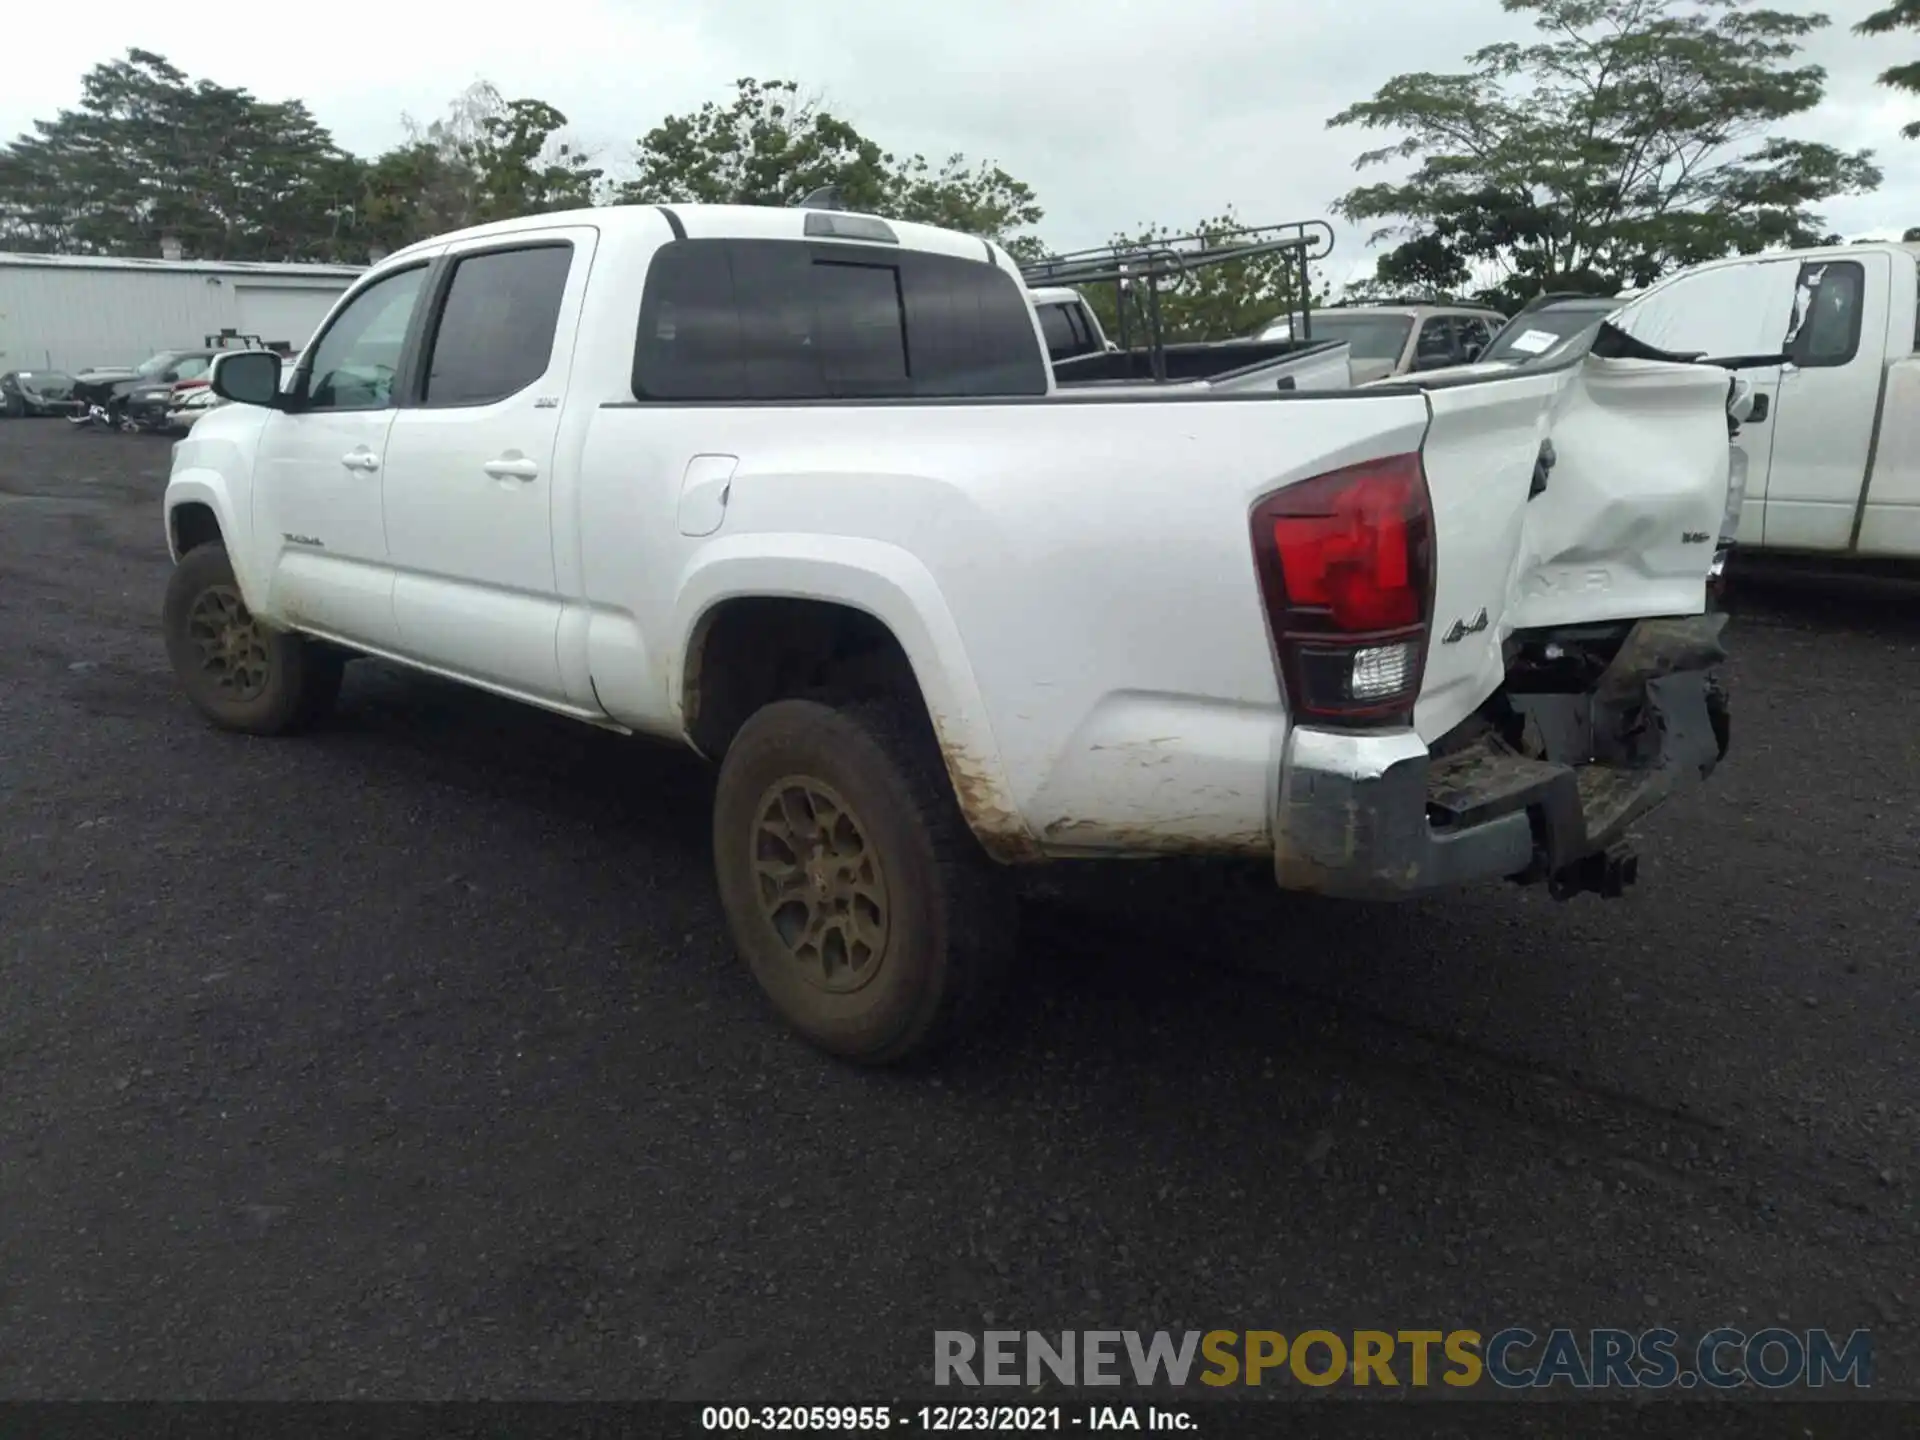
1544, 790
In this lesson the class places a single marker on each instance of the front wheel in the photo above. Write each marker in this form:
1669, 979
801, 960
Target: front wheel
851, 884
239, 673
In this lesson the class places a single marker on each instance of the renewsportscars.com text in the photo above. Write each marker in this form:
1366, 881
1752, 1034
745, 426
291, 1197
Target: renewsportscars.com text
1514, 1358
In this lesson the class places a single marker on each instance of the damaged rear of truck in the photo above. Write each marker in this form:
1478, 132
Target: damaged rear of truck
1567, 691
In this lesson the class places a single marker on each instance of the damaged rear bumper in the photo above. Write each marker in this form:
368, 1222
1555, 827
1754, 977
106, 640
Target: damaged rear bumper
1378, 816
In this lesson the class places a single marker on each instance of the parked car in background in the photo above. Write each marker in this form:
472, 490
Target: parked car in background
189, 407
138, 395
36, 392
1833, 436
1546, 322
1399, 339
1546, 326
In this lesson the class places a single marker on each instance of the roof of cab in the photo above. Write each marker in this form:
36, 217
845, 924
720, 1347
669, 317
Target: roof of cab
1811, 253
729, 222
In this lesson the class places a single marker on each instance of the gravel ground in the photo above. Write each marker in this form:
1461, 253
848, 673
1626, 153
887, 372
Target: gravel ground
409, 1059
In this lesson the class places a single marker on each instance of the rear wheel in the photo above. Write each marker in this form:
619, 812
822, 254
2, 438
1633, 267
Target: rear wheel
13, 406
239, 673
853, 888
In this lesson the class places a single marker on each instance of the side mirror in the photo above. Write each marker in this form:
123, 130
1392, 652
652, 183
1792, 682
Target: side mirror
247, 377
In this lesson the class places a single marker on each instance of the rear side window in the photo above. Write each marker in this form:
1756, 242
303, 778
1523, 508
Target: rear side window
1436, 341
1827, 303
1067, 330
496, 329
774, 320
1056, 323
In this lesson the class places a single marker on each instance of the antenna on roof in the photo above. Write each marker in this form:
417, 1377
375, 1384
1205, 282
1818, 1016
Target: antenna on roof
827, 197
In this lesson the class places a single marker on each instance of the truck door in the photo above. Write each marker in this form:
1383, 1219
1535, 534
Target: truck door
1829, 395
317, 511
1738, 308
471, 466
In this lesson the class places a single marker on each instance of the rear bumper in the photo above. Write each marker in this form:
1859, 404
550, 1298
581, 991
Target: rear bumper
1377, 816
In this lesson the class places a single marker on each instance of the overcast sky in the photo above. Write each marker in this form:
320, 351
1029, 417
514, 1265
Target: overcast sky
1116, 113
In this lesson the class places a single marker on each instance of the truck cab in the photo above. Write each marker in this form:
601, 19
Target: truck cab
1833, 439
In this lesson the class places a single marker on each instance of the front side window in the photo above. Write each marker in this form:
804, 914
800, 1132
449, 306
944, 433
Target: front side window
1827, 303
775, 320
1719, 311
355, 361
496, 330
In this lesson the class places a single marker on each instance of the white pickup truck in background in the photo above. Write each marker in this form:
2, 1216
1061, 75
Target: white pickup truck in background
1081, 355
1141, 274
798, 489
1833, 442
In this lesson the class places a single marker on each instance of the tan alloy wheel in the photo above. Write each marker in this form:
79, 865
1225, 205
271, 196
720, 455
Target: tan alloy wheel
231, 646
821, 885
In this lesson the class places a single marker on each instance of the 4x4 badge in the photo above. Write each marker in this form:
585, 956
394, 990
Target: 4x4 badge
1461, 629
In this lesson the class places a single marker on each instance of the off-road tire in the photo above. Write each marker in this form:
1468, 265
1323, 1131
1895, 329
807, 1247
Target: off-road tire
301, 677
949, 933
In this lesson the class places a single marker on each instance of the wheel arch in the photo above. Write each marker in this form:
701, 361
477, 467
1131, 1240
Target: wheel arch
741, 613
200, 511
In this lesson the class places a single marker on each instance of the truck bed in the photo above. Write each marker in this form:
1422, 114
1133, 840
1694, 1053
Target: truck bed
1226, 364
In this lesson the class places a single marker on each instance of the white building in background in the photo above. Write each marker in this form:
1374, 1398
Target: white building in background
71, 312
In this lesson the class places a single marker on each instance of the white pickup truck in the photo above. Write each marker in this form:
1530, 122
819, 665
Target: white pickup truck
1833, 443
794, 488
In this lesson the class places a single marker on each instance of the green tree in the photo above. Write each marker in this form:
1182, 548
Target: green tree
1224, 301
772, 145
148, 153
521, 167
1631, 139
486, 158
1900, 15
411, 192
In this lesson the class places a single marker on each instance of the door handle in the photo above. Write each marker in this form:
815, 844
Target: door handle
512, 469
364, 460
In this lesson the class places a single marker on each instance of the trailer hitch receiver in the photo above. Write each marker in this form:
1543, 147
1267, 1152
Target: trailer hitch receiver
1606, 873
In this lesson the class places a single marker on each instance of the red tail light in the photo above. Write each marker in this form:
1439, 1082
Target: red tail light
1346, 568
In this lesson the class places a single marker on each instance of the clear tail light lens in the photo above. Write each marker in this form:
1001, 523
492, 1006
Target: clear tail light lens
1346, 567
1736, 494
